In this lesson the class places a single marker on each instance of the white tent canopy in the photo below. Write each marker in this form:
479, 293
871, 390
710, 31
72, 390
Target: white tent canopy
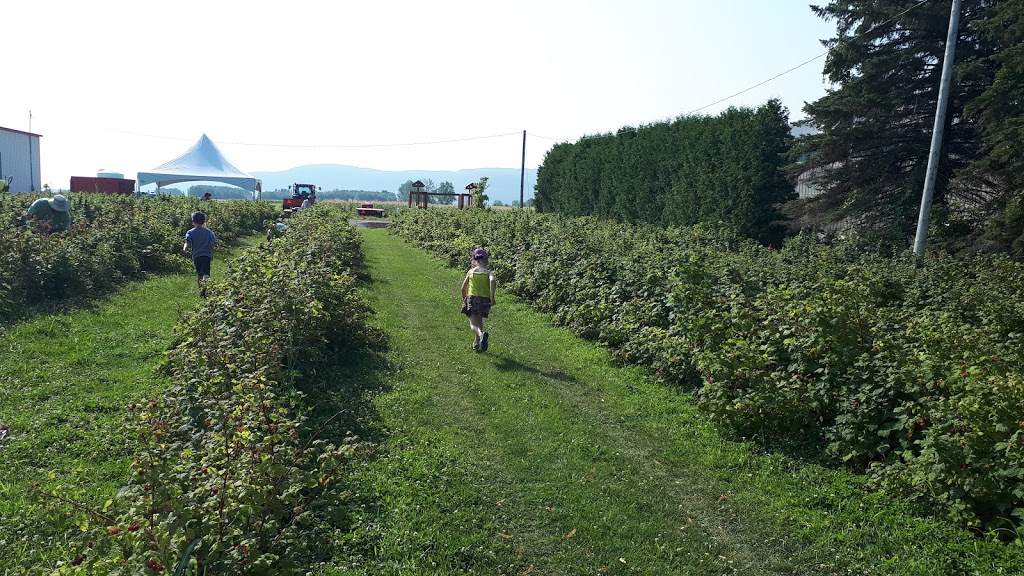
202, 162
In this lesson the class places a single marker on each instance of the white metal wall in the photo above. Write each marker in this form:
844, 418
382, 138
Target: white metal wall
18, 163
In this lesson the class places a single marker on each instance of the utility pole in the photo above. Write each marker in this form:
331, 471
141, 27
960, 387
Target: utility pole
522, 173
31, 165
940, 123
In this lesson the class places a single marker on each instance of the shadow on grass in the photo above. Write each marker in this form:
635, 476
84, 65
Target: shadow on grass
505, 364
341, 392
340, 389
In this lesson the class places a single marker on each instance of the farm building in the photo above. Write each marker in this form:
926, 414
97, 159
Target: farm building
19, 160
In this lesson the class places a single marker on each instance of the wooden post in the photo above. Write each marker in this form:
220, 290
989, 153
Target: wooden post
421, 198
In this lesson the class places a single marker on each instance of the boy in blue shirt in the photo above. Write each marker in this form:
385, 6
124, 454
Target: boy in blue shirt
200, 241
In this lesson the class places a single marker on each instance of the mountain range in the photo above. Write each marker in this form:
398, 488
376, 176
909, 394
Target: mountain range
503, 183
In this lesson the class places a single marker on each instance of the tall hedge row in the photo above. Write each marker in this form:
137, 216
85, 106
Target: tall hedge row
724, 169
111, 239
912, 372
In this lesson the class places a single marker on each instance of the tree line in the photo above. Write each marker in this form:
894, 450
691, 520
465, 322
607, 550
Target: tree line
868, 150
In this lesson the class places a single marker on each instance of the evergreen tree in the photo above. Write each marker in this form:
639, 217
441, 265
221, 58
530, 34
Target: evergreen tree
876, 126
999, 113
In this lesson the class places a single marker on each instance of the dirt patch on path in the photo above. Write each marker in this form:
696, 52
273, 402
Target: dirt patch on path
369, 223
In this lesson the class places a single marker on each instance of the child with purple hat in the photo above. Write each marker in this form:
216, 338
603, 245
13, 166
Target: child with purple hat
478, 297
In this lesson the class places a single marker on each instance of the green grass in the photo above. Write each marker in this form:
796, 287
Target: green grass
540, 457
66, 380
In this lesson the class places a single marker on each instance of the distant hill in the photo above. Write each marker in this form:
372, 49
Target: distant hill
503, 182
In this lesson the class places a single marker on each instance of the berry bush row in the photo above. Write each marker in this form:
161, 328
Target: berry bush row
910, 371
229, 472
112, 238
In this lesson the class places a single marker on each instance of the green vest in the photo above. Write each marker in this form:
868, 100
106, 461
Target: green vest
480, 284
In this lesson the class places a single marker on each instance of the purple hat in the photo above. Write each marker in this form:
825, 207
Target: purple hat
480, 254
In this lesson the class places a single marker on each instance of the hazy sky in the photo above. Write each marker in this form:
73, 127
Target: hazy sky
126, 86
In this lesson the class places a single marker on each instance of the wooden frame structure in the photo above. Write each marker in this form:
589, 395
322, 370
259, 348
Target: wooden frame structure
421, 198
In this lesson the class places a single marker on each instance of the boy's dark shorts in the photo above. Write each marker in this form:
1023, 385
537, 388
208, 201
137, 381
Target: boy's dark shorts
202, 265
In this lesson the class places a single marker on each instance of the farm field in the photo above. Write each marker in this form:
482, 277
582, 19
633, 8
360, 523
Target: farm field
537, 457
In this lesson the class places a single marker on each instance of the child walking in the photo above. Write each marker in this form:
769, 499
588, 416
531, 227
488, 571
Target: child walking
478, 297
200, 241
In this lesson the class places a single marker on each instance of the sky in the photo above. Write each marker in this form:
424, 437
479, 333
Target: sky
124, 86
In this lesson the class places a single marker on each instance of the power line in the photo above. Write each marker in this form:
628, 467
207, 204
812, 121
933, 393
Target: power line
395, 145
866, 32
777, 76
264, 145
473, 138
758, 84
546, 137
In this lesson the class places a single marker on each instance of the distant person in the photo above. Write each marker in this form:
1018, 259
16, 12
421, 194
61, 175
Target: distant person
306, 203
207, 196
275, 230
53, 214
478, 297
200, 241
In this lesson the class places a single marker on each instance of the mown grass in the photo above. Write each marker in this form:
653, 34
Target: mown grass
540, 457
66, 380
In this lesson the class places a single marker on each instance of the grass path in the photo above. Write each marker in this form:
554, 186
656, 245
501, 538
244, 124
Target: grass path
540, 457
66, 380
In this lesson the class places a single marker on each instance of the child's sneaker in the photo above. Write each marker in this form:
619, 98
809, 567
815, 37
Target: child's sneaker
483, 343
476, 346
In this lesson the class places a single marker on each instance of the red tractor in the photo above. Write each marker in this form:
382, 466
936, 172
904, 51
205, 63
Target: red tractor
301, 193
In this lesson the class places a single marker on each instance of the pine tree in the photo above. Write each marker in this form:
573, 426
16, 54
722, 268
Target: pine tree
876, 125
999, 113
